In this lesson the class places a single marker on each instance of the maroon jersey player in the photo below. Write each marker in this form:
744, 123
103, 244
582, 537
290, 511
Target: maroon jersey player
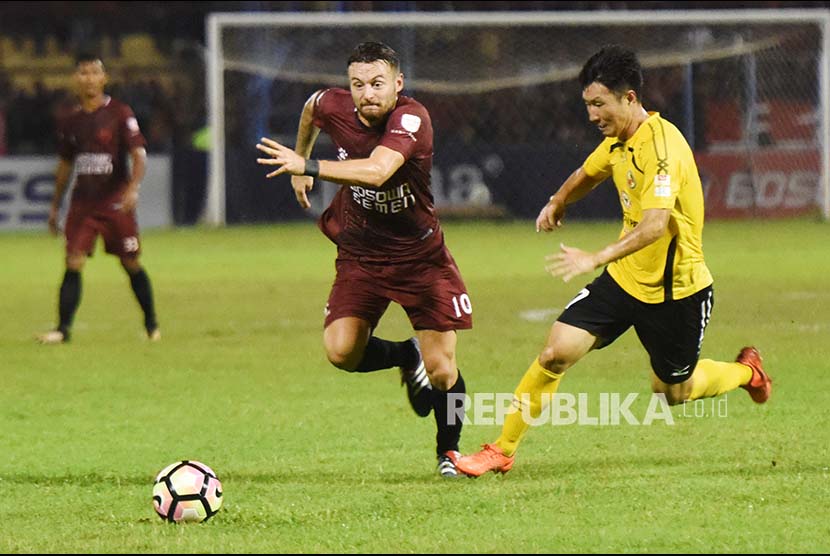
97, 138
390, 246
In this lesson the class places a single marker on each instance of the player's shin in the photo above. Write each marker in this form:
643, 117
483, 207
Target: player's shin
713, 378
527, 400
140, 283
384, 354
448, 407
69, 298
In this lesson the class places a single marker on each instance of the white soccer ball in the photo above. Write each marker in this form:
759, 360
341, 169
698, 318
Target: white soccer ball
187, 491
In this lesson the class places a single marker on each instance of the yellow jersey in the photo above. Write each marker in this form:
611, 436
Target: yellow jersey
655, 169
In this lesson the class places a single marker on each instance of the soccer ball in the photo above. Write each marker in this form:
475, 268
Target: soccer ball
187, 491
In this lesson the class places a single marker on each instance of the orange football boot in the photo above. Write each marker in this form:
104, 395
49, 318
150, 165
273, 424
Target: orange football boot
491, 458
760, 385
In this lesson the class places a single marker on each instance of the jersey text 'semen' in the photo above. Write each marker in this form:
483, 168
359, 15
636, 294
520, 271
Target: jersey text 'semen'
397, 221
99, 143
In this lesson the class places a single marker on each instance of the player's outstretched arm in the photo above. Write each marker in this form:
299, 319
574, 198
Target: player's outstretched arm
369, 172
575, 187
286, 159
570, 262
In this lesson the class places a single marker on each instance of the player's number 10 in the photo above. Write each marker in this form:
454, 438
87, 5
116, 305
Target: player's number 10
462, 303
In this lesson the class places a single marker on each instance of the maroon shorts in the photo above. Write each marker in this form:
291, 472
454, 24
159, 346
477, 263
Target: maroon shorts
431, 292
85, 222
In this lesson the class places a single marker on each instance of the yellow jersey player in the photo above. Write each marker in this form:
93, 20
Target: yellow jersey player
655, 280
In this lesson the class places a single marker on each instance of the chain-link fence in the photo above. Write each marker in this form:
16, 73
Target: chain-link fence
510, 125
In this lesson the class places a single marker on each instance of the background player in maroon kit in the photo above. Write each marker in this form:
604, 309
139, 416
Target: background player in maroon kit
390, 246
96, 138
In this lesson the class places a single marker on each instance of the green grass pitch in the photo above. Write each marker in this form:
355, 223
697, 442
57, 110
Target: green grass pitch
313, 459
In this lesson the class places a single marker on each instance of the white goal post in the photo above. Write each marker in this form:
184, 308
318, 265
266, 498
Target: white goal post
750, 89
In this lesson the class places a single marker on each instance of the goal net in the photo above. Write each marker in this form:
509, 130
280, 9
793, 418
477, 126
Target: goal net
749, 89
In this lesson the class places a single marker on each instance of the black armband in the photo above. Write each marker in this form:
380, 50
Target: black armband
312, 168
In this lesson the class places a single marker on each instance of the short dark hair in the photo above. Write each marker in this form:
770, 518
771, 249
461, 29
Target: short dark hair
615, 67
88, 58
368, 52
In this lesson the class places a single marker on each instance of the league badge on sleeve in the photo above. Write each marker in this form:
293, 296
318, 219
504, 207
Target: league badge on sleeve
411, 122
132, 125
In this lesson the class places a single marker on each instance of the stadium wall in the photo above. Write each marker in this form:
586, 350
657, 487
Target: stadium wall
27, 184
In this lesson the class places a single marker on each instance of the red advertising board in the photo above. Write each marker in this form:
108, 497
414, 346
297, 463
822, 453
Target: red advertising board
760, 183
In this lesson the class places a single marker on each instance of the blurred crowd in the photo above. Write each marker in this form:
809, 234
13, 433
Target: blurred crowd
29, 117
169, 99
541, 114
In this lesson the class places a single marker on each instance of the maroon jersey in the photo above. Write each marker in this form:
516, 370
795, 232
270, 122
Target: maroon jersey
99, 143
393, 223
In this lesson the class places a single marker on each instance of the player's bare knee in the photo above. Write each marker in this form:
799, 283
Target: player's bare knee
342, 358
342, 351
131, 264
675, 394
442, 375
674, 397
75, 262
658, 386
552, 360
444, 380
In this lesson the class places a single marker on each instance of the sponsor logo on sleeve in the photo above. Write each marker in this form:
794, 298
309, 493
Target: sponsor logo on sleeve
662, 185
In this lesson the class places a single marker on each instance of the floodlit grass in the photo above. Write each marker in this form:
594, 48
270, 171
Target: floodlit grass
317, 460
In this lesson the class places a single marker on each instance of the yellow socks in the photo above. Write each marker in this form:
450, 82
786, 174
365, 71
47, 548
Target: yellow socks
712, 378
536, 381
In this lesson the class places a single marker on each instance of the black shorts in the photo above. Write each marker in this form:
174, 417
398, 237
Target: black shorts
671, 332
